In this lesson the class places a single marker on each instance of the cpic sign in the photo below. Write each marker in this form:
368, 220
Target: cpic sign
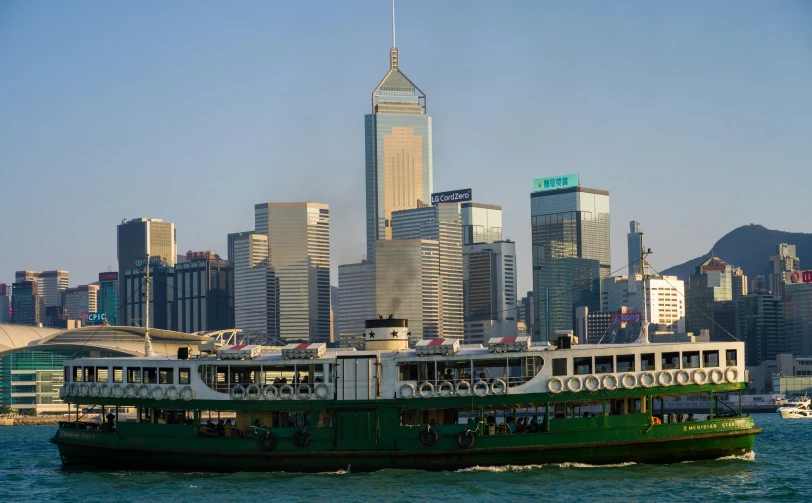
626, 318
452, 196
96, 317
555, 182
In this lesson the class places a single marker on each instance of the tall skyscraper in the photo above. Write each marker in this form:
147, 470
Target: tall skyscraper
481, 223
407, 285
357, 302
634, 247
784, 260
25, 303
161, 296
760, 324
254, 293
108, 296
570, 238
441, 223
5, 303
489, 278
797, 304
665, 300
299, 260
739, 283
711, 283
398, 147
80, 301
230, 243
51, 287
202, 295
135, 239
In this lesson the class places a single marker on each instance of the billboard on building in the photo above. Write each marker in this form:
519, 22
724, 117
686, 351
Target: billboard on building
3, 289
555, 182
108, 276
95, 318
452, 196
626, 318
798, 277
717, 267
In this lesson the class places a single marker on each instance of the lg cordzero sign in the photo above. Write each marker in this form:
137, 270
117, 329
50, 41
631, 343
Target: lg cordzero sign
452, 196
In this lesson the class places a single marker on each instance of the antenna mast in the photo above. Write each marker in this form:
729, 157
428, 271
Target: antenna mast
147, 339
643, 339
393, 23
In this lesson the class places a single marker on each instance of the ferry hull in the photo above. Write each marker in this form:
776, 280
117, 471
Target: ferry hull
244, 455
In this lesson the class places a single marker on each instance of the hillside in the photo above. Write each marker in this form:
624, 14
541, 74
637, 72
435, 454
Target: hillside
749, 247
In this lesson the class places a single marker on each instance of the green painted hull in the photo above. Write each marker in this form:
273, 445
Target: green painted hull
637, 443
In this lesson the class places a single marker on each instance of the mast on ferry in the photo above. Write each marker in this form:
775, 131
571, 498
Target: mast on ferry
643, 339
147, 339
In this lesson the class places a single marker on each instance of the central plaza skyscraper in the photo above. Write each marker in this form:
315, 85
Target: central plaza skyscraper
398, 151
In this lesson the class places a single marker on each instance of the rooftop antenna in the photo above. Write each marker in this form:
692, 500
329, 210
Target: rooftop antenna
393, 23
393, 53
643, 339
148, 352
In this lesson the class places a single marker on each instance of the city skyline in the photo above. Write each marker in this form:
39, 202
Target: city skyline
669, 116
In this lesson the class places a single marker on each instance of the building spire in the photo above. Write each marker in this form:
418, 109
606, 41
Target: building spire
393, 53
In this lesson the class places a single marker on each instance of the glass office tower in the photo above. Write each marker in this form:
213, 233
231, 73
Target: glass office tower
570, 237
299, 262
398, 152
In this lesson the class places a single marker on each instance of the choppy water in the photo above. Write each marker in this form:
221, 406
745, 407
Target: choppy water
780, 470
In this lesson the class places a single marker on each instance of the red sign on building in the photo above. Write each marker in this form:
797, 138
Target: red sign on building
720, 267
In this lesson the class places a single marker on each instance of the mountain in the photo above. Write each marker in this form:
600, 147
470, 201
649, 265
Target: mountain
749, 247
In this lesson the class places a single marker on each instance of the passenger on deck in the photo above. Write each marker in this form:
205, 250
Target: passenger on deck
227, 429
277, 380
448, 375
110, 425
482, 377
511, 424
466, 376
221, 428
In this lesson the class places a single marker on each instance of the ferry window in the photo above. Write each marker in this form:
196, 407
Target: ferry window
150, 375
90, 374
134, 375
66, 374
77, 374
670, 361
603, 364
730, 357
710, 358
690, 359
583, 366
647, 361
184, 376
625, 363
166, 376
102, 374
515, 374
408, 417
408, 371
560, 366
118, 374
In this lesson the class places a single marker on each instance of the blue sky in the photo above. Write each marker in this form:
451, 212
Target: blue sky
696, 116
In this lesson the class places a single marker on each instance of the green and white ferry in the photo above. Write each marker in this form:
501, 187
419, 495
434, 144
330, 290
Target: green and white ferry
438, 406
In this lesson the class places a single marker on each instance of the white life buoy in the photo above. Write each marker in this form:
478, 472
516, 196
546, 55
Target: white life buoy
74, 389
732, 374
683, 377
610, 382
308, 392
322, 391
83, 389
158, 393
286, 392
144, 391
628, 380
105, 390
700, 377
665, 378
717, 376
481, 388
575, 384
187, 393
131, 391
592, 383
647, 379
117, 391
237, 392
253, 392
270, 392
445, 389
463, 389
172, 393
555, 385
93, 390
499, 387
426, 390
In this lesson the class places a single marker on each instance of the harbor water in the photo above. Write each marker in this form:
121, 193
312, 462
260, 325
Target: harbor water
778, 470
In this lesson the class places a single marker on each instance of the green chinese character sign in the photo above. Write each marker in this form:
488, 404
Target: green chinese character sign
555, 182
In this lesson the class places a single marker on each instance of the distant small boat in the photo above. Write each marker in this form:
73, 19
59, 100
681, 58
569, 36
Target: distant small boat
797, 408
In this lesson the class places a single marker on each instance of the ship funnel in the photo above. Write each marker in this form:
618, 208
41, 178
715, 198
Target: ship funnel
390, 334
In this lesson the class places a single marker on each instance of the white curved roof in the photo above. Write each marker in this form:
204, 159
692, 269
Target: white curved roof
18, 336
